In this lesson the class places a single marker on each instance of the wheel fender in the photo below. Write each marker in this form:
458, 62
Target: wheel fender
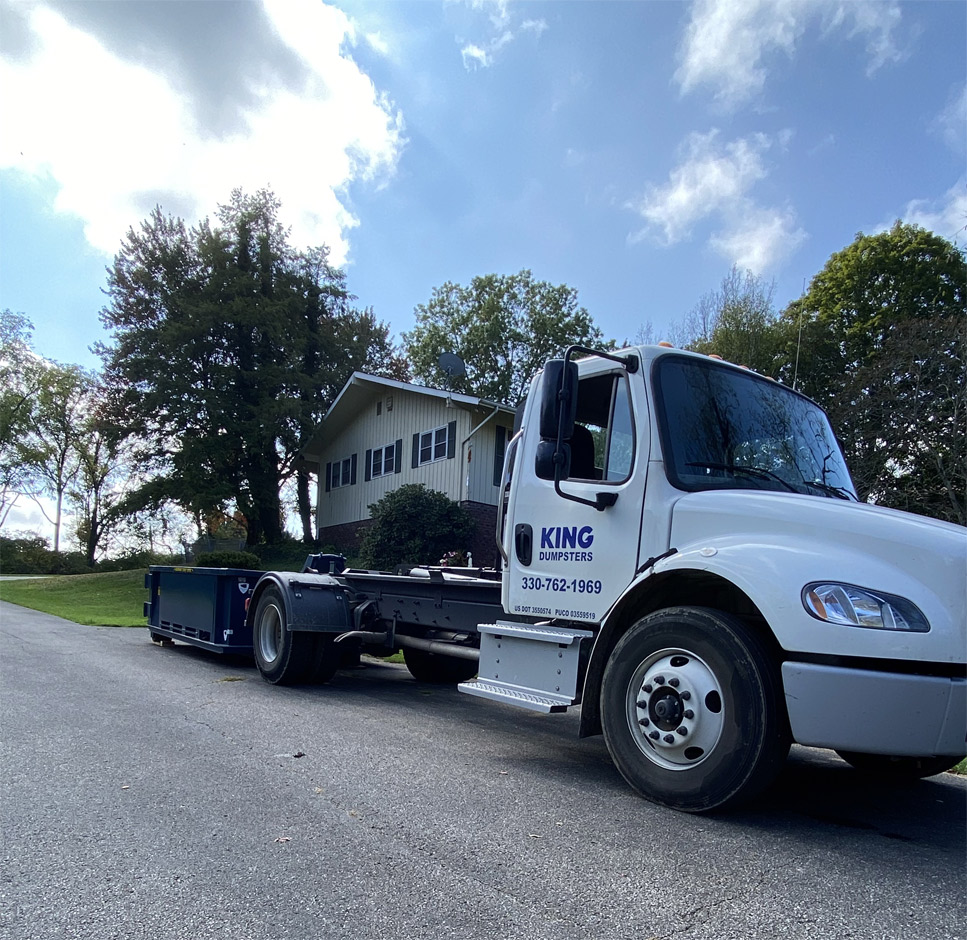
315, 603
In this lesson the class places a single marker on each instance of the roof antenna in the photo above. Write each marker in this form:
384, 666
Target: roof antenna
453, 367
795, 374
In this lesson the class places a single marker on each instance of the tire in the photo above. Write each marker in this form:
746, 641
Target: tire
899, 768
692, 710
283, 657
327, 659
438, 668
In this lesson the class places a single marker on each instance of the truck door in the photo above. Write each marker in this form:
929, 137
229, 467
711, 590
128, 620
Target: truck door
566, 558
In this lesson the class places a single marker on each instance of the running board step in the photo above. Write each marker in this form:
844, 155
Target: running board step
532, 666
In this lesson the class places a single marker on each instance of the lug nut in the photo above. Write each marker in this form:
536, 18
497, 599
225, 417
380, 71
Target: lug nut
644, 722
654, 735
642, 704
686, 695
647, 688
659, 680
689, 713
669, 739
682, 731
673, 682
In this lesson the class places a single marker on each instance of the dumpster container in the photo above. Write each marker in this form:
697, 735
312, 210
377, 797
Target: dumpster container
201, 606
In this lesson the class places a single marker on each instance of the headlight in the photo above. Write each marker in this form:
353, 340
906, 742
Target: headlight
857, 607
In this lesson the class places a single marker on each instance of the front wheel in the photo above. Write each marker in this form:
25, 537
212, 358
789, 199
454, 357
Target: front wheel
899, 768
283, 657
692, 710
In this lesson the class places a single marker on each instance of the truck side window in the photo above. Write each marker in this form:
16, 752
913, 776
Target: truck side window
603, 443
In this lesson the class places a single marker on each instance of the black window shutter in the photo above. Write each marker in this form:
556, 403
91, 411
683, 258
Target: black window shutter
352, 472
451, 440
416, 451
328, 476
500, 442
398, 457
369, 466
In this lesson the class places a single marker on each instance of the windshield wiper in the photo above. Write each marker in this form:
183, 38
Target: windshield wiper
759, 472
838, 491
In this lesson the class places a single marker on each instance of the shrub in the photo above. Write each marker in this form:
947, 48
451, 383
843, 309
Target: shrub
414, 525
31, 555
228, 560
137, 558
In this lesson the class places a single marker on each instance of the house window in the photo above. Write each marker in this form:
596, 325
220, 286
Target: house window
383, 460
433, 445
438, 444
341, 473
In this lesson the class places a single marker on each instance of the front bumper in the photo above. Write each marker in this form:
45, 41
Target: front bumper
876, 712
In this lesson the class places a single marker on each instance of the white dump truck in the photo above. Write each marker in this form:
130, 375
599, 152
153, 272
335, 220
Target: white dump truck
683, 555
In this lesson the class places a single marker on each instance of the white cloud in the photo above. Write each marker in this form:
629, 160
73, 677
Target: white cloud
952, 121
504, 29
474, 57
727, 42
759, 240
117, 137
712, 177
947, 216
538, 27
714, 181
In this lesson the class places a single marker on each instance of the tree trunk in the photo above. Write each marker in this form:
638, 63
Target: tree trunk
305, 505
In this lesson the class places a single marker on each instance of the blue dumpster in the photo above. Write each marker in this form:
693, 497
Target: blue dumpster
201, 606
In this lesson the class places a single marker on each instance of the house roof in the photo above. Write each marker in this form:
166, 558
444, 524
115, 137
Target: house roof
362, 388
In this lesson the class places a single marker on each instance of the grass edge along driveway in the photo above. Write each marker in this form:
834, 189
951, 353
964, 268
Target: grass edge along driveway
111, 599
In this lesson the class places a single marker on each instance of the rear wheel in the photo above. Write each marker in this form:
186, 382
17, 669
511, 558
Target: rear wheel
436, 667
899, 768
283, 657
692, 710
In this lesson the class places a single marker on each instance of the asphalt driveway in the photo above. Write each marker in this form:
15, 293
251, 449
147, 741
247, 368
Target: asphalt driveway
168, 793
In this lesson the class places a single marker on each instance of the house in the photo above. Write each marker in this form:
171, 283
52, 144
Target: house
380, 434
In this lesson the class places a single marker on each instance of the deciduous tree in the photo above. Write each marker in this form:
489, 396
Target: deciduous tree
738, 322
228, 346
504, 327
878, 340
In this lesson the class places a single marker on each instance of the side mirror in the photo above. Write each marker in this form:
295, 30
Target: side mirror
559, 399
549, 458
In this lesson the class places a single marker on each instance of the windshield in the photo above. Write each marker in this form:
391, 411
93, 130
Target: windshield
721, 428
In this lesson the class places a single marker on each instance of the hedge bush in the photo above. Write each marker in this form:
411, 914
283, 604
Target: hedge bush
416, 526
228, 560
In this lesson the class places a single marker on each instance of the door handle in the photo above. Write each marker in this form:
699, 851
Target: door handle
524, 543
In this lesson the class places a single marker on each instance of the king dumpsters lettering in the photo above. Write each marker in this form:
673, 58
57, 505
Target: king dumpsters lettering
566, 543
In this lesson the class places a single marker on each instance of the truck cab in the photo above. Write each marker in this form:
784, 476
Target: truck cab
698, 523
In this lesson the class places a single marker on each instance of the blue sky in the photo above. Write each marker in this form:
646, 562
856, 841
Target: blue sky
633, 150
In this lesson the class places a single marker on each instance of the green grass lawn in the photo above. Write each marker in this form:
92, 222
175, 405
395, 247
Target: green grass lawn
112, 599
